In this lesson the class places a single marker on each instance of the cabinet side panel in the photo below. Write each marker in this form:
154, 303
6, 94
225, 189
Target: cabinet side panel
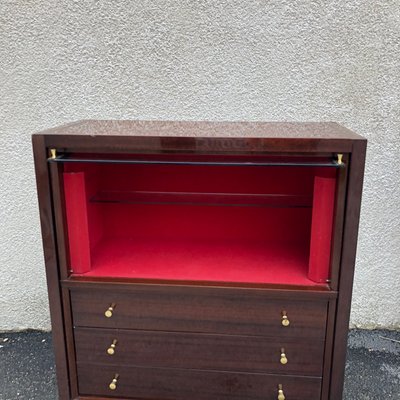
330, 330
350, 232
52, 273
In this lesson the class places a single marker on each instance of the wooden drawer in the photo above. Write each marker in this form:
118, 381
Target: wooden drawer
200, 309
199, 351
180, 384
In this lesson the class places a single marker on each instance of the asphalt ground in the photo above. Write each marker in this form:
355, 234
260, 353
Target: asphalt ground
27, 370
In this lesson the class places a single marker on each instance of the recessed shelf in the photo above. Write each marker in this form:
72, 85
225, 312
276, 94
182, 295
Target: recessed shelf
197, 198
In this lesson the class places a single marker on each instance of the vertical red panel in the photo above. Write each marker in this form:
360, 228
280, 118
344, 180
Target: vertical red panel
77, 221
321, 228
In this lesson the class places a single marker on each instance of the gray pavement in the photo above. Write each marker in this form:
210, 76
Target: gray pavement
372, 372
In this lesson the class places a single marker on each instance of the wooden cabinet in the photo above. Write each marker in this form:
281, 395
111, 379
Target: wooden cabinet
199, 260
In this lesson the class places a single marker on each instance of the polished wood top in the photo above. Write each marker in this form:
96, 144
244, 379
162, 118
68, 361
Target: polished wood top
211, 129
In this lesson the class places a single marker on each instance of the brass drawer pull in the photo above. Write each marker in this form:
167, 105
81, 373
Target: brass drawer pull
285, 319
284, 359
110, 310
111, 349
281, 395
113, 384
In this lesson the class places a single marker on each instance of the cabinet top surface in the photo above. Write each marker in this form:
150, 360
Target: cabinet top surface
268, 130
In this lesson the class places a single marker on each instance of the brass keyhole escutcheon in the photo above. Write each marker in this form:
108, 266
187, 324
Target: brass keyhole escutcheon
284, 359
281, 395
111, 349
285, 319
110, 310
113, 384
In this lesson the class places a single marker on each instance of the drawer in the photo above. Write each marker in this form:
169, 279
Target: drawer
180, 384
199, 309
199, 351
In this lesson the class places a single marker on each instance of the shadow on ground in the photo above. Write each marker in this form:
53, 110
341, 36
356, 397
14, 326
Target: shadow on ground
27, 369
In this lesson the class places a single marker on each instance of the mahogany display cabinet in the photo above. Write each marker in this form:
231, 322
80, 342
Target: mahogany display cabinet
199, 260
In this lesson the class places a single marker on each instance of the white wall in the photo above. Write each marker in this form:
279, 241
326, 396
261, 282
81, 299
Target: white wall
200, 60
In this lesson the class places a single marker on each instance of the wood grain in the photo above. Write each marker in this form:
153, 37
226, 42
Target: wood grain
180, 384
199, 351
200, 309
350, 233
51, 263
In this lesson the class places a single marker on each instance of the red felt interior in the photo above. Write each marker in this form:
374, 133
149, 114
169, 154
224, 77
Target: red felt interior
233, 243
224, 260
321, 229
77, 221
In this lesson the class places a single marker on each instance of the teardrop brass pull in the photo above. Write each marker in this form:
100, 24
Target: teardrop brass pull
113, 384
111, 349
281, 395
284, 359
285, 319
110, 310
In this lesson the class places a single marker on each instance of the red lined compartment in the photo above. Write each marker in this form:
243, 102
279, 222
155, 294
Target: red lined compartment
205, 223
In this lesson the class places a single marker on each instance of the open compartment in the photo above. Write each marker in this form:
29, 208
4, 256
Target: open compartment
200, 222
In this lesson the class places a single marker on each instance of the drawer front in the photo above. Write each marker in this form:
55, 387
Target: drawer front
199, 351
180, 384
199, 309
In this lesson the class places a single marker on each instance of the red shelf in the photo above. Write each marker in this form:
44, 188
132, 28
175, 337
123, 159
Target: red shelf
222, 261
196, 198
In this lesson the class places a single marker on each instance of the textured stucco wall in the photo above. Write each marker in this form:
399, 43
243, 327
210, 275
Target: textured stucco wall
216, 60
